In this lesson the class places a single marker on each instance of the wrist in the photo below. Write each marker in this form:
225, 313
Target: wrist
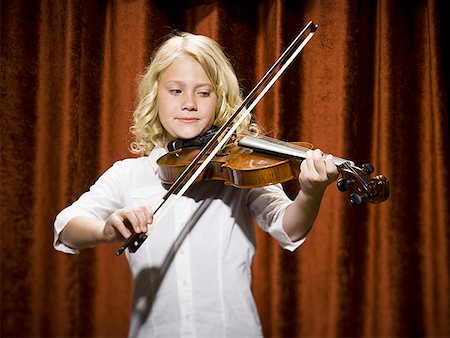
108, 234
315, 193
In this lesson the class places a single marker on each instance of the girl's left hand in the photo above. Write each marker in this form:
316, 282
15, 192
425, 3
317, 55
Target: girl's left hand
317, 172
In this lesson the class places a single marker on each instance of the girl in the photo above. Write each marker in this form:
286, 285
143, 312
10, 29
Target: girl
198, 284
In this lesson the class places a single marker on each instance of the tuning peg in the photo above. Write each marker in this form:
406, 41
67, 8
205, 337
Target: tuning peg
343, 183
368, 168
355, 199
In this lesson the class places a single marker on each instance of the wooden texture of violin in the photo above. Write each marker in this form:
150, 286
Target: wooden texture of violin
239, 167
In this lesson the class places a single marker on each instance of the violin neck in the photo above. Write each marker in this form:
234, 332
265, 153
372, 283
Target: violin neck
276, 147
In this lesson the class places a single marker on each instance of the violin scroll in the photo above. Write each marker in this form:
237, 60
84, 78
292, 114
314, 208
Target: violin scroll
374, 190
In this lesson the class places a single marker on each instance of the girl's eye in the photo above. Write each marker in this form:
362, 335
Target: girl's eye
175, 91
204, 93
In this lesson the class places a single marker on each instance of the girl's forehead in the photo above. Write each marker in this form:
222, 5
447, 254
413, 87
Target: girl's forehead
184, 66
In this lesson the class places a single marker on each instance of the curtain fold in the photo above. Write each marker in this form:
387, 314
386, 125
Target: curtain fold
372, 85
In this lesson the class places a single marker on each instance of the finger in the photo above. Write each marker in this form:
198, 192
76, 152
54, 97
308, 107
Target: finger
117, 222
319, 163
148, 214
309, 161
130, 219
332, 171
140, 224
145, 217
139, 218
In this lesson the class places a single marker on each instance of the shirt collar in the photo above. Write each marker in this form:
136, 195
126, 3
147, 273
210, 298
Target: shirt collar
156, 153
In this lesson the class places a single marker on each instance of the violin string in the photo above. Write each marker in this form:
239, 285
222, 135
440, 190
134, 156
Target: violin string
277, 147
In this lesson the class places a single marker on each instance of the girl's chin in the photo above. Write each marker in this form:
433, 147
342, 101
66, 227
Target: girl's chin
188, 134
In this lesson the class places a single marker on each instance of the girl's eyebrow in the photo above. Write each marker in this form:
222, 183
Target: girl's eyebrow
205, 85
179, 82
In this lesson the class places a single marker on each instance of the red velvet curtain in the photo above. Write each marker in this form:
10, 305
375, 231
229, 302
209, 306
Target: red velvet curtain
372, 85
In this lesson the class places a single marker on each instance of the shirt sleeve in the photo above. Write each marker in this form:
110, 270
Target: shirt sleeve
102, 199
268, 204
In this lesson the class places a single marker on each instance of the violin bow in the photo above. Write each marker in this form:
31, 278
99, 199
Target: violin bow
270, 77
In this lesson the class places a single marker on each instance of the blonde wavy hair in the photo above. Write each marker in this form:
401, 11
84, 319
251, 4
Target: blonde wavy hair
146, 128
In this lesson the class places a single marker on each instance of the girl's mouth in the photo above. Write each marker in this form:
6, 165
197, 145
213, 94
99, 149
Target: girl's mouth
187, 119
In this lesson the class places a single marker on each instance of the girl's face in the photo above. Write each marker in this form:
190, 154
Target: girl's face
186, 99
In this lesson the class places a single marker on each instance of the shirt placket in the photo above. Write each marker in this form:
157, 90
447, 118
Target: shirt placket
184, 279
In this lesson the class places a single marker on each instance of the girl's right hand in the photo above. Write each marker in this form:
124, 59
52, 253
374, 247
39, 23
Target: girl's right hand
123, 222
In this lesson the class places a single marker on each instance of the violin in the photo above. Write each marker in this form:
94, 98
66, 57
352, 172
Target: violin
261, 161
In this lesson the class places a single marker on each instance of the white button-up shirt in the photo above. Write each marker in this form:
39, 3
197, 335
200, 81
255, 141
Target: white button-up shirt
193, 273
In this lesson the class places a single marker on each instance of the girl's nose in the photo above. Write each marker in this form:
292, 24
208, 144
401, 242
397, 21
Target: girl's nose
189, 104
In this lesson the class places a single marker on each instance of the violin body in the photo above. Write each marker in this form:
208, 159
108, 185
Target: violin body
237, 166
